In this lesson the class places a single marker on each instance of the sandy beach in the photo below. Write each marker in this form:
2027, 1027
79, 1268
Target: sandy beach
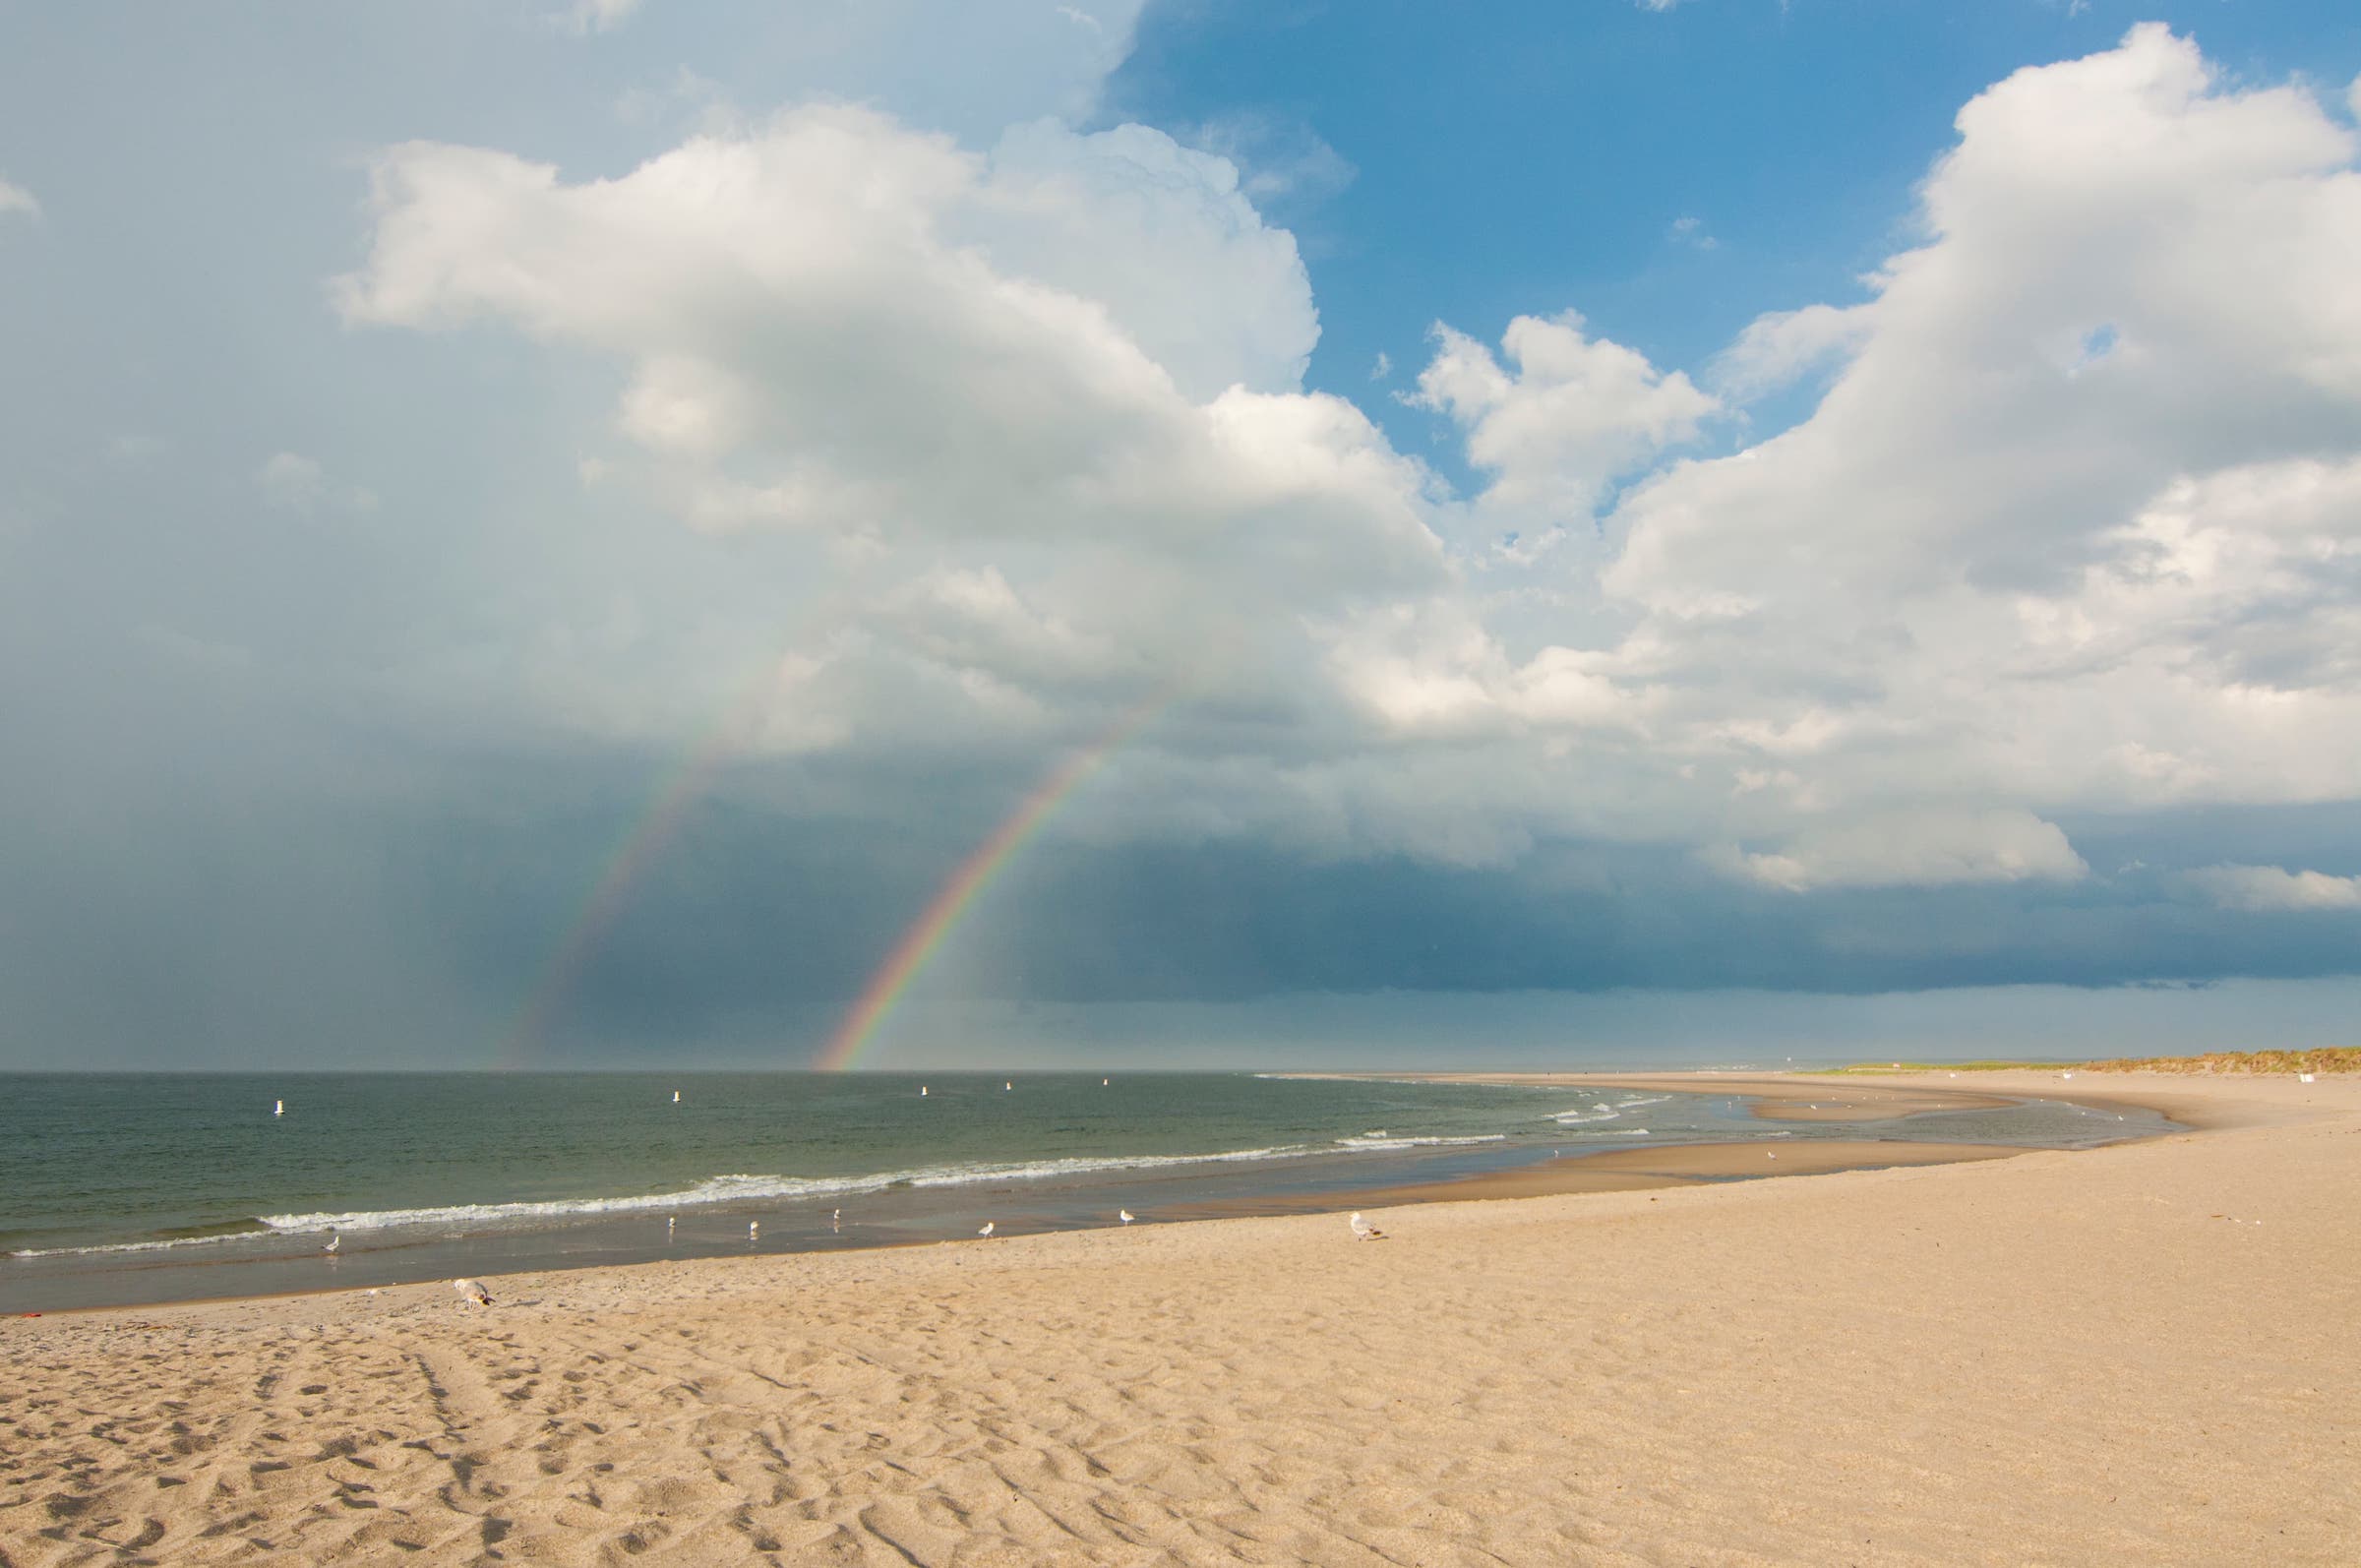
2141, 1354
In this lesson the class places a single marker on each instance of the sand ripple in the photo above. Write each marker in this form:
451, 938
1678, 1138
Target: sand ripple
2061, 1357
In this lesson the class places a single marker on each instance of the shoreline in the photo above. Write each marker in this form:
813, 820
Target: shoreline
150, 1282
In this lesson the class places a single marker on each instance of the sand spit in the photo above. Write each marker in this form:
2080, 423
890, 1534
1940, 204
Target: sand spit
2139, 1354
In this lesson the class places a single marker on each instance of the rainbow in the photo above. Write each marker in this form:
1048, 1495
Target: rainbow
958, 891
639, 845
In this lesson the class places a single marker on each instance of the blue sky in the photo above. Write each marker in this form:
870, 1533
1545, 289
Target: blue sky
1546, 152
547, 532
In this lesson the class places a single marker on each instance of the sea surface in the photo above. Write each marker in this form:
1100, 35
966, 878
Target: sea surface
122, 1188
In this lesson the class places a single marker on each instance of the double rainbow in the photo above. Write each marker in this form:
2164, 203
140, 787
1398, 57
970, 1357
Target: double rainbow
689, 780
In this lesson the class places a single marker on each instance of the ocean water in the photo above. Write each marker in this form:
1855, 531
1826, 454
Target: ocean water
143, 1187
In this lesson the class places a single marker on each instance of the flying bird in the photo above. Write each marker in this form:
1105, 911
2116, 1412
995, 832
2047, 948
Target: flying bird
988, 1229
1125, 1215
1364, 1230
472, 1292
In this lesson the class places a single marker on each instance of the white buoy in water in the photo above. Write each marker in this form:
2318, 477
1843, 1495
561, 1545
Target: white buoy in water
279, 1108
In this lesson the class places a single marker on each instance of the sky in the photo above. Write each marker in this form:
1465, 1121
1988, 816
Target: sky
1176, 532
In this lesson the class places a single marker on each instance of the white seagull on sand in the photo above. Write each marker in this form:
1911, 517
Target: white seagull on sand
1125, 1215
472, 1292
988, 1229
1364, 1230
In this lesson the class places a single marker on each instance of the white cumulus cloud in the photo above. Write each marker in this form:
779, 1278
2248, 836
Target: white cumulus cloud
1927, 847
1567, 416
2265, 888
2074, 524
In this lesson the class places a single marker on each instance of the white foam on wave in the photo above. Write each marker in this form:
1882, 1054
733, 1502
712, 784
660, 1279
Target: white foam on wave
1582, 1114
1369, 1141
137, 1246
742, 1188
734, 1188
1609, 1133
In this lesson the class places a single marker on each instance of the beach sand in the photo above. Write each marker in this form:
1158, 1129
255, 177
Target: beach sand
2142, 1354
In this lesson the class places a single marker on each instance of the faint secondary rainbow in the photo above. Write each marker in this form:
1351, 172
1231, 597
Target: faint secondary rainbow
639, 845
958, 891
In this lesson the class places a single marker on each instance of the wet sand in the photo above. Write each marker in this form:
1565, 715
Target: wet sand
2134, 1353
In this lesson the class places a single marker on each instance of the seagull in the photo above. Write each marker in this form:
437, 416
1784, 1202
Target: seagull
670, 1220
1009, 1085
472, 1292
676, 1097
1102, 1083
2303, 1078
1123, 1215
279, 1108
987, 1227
1364, 1230
335, 1243
754, 1230
922, 1091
